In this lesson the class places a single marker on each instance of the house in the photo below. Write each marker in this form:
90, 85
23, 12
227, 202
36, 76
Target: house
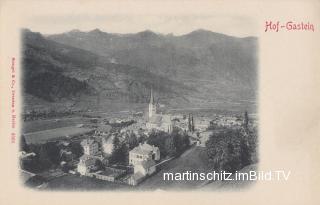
143, 152
86, 164
145, 167
135, 179
141, 170
90, 147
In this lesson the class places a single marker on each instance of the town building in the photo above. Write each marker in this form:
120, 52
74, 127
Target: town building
143, 152
160, 122
90, 147
143, 159
86, 164
145, 167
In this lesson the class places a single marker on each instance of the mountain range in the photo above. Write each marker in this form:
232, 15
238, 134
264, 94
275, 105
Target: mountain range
97, 69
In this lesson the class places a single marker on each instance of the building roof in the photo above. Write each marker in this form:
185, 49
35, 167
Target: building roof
87, 160
155, 119
144, 149
166, 118
85, 157
87, 142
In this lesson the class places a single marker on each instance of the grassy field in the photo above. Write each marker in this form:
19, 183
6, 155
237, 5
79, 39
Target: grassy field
47, 135
38, 125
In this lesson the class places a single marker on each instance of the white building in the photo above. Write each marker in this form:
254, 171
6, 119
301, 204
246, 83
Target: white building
145, 167
143, 152
90, 147
86, 164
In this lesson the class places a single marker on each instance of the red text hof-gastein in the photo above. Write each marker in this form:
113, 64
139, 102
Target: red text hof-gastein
276, 26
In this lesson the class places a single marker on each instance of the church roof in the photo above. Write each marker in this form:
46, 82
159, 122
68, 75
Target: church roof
166, 118
155, 119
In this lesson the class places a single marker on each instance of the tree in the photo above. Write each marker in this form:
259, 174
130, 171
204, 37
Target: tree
181, 141
120, 152
132, 141
142, 138
44, 161
246, 120
228, 151
53, 152
170, 147
116, 142
76, 149
98, 164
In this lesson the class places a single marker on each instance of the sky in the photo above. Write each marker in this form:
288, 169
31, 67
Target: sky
131, 17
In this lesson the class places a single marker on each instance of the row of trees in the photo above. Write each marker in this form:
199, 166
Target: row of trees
43, 114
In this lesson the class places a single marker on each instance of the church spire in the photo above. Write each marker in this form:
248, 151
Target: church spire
151, 97
152, 106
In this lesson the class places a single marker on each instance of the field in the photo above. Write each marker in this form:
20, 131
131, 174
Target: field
38, 125
52, 134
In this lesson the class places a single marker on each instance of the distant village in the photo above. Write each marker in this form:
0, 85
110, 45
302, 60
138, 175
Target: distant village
120, 149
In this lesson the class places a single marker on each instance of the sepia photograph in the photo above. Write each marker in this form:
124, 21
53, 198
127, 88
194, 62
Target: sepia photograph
159, 102
138, 111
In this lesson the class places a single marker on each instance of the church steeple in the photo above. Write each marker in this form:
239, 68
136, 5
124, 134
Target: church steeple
152, 106
151, 97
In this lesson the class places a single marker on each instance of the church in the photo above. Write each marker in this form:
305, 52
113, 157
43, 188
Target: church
157, 121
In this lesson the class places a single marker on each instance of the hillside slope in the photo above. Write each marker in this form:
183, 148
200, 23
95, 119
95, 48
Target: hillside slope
57, 73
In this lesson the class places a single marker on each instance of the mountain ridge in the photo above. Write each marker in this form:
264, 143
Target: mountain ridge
201, 68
